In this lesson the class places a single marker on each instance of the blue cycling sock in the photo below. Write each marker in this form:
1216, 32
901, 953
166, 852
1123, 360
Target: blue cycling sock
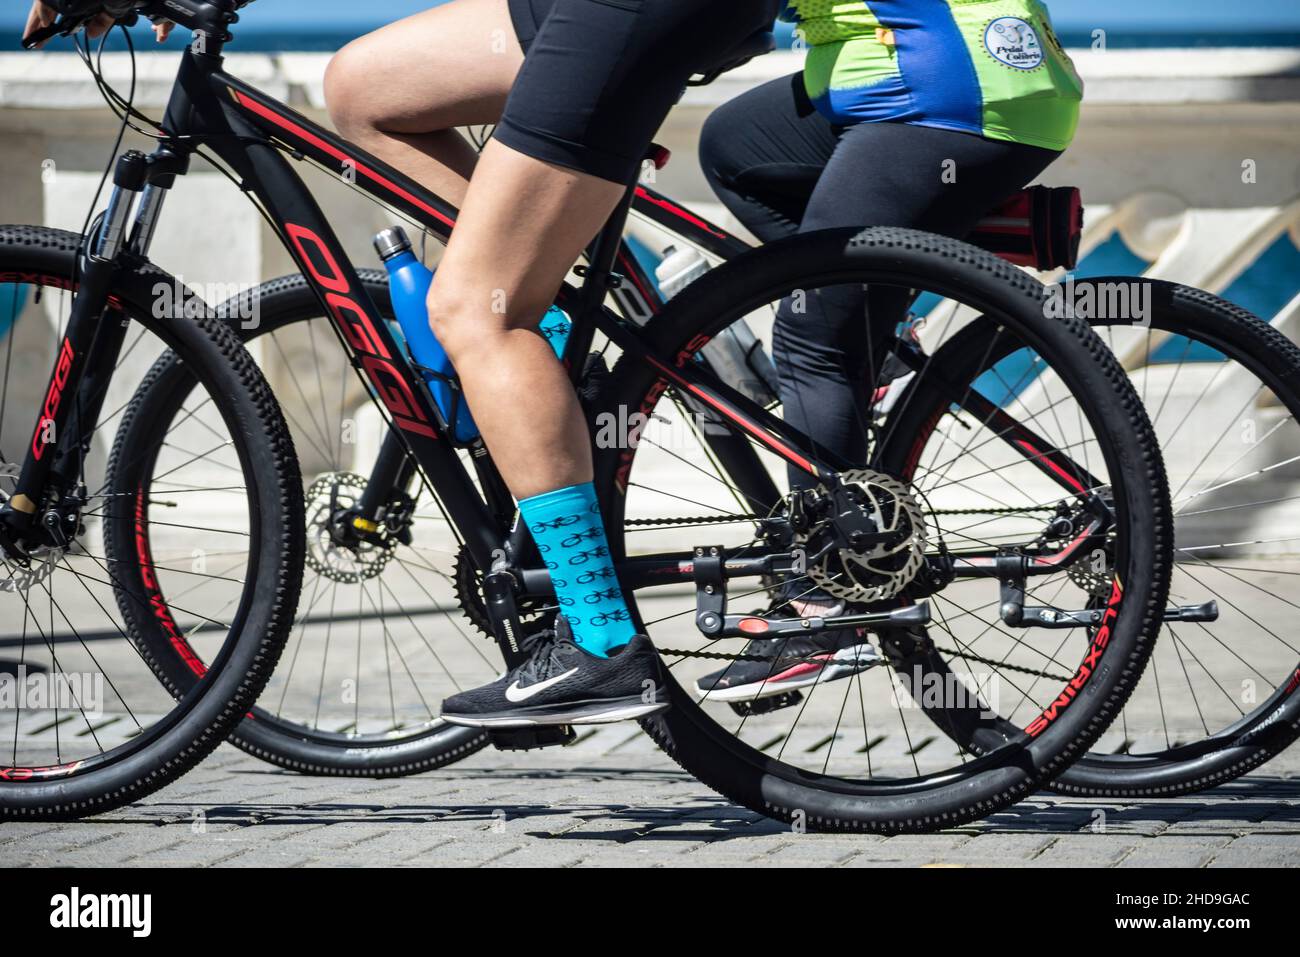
570, 534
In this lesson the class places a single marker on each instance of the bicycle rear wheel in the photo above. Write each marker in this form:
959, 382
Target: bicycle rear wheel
866, 752
1223, 390
384, 631
89, 727
1219, 698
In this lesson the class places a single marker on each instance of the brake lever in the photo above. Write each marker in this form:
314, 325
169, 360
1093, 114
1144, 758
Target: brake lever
66, 27
59, 28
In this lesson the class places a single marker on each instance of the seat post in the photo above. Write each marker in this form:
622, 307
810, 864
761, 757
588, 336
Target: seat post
598, 278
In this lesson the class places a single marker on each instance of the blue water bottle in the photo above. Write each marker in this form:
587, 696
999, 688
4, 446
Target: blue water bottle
408, 283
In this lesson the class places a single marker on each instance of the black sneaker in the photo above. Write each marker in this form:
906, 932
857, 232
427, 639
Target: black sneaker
562, 684
794, 662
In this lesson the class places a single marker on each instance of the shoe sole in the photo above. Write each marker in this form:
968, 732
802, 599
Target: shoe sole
594, 712
848, 661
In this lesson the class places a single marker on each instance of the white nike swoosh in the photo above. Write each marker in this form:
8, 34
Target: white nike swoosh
517, 694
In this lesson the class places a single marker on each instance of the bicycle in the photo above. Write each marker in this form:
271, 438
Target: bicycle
1202, 738
1221, 710
864, 531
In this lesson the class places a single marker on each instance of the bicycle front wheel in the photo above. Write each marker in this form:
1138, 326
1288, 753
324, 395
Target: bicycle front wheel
872, 748
386, 629
88, 727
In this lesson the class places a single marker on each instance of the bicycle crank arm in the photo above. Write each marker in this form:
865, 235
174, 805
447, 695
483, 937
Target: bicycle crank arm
650, 571
1040, 617
754, 626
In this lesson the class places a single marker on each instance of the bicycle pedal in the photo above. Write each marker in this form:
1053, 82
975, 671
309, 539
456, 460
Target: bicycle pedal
767, 705
530, 739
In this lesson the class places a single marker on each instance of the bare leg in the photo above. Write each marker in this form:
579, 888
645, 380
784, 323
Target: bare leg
400, 92
523, 225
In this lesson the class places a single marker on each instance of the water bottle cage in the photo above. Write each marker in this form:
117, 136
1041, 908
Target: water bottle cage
450, 421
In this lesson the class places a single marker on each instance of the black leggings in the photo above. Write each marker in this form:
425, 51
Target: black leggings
782, 168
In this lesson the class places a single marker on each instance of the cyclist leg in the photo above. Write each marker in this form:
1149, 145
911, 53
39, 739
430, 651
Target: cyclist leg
596, 84
763, 152
401, 91
881, 174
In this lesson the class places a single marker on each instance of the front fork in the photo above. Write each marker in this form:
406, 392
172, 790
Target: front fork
44, 507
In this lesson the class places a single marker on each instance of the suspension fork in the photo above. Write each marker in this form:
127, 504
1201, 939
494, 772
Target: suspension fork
84, 362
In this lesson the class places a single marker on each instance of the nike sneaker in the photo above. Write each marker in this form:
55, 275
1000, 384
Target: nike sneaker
560, 683
791, 663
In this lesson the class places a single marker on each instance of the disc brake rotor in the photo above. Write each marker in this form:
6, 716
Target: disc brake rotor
882, 570
21, 577
355, 562
1094, 572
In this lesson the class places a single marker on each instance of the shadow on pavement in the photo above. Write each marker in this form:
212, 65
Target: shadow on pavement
696, 816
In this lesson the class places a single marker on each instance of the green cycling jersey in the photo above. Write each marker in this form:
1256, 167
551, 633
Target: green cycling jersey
990, 67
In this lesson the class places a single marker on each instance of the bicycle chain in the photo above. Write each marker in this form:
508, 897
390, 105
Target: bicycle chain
741, 656
722, 519
696, 520
993, 511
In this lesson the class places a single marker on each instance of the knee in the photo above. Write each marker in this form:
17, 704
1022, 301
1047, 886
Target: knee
451, 317
349, 79
471, 321
717, 138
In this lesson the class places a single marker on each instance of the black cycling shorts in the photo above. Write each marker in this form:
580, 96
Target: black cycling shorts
599, 76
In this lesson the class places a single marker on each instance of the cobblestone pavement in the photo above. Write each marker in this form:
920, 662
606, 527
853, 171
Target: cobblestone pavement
613, 799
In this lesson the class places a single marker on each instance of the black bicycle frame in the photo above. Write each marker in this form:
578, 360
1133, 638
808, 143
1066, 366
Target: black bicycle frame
251, 132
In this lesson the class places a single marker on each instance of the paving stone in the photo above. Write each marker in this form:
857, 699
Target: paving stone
612, 801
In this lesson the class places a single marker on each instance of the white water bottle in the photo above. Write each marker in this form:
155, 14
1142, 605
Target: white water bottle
736, 355
680, 268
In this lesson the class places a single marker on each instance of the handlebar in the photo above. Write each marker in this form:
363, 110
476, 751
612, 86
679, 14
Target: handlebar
75, 14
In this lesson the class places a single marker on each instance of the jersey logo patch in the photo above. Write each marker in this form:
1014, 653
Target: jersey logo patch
1013, 42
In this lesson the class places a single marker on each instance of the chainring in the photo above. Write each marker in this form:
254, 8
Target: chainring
469, 592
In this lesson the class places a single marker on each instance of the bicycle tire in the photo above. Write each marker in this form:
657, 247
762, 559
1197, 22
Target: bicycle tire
200, 721
907, 258
1275, 724
296, 745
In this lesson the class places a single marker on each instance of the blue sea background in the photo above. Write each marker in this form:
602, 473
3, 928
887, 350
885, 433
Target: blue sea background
324, 25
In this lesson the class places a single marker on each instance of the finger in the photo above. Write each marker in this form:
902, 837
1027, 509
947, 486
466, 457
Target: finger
99, 26
39, 17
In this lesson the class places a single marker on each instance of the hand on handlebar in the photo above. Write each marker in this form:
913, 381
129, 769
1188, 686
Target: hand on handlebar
42, 16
